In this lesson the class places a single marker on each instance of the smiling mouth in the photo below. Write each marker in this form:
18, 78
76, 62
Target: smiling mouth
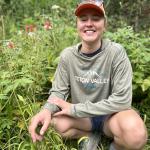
89, 31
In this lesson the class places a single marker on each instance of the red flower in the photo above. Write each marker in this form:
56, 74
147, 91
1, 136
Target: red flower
47, 25
30, 28
27, 28
11, 45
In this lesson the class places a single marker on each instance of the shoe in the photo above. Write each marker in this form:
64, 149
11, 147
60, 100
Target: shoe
89, 143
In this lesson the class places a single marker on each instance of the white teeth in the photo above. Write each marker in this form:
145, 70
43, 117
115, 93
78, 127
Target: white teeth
89, 31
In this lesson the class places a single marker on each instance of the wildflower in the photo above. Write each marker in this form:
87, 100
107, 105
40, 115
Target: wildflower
19, 32
27, 28
47, 25
31, 34
30, 28
10, 45
55, 7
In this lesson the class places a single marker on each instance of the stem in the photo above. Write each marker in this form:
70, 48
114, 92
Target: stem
21, 111
3, 27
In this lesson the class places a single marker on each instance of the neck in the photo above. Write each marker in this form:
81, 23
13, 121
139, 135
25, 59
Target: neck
90, 47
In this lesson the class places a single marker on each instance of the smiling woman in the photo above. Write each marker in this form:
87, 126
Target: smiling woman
100, 85
90, 26
28, 61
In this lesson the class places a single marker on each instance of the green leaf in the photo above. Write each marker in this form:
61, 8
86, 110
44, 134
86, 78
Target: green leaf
3, 96
8, 89
21, 98
146, 85
21, 125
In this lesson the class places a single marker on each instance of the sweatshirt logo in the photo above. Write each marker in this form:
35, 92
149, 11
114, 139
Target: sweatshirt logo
91, 79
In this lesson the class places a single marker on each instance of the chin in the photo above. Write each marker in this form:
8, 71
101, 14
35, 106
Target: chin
90, 40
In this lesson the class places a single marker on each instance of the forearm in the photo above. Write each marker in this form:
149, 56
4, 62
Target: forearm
60, 87
105, 106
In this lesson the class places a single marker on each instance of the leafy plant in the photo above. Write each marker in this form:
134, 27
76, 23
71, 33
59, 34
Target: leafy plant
29, 58
137, 47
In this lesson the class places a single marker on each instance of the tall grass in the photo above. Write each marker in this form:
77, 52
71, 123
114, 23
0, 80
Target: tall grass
27, 65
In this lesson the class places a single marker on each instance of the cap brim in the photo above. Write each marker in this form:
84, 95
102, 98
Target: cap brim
87, 6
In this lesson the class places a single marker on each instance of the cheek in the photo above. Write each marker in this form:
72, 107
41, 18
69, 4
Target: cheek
101, 27
79, 28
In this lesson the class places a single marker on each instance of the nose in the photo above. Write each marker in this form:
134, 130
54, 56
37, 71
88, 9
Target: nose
89, 22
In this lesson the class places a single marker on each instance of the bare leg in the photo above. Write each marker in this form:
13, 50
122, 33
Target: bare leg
127, 129
70, 127
74, 134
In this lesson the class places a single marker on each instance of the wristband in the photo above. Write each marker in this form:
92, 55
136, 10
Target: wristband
51, 107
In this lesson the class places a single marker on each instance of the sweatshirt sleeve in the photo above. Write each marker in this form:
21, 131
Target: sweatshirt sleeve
120, 95
60, 86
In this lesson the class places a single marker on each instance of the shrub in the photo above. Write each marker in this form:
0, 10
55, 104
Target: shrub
28, 61
137, 47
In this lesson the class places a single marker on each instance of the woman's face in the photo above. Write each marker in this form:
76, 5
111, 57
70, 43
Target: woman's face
90, 25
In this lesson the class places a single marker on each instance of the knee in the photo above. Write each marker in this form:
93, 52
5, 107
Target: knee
138, 139
136, 136
61, 124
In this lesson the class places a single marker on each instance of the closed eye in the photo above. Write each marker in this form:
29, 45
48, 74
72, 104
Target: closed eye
96, 18
83, 18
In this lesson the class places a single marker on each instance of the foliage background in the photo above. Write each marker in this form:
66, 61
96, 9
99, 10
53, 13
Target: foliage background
28, 60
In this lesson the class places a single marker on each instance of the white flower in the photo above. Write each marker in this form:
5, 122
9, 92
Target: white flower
31, 34
19, 32
55, 7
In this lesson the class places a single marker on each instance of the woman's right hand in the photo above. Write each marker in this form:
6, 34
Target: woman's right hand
42, 118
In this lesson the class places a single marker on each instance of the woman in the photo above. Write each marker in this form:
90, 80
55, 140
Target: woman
98, 76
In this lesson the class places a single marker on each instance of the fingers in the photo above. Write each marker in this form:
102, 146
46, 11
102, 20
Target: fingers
63, 112
32, 130
59, 113
44, 127
38, 138
59, 102
43, 118
65, 106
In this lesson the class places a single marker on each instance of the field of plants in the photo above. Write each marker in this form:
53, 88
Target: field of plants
32, 35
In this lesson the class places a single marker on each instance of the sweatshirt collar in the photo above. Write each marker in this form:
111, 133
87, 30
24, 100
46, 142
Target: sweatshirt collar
105, 43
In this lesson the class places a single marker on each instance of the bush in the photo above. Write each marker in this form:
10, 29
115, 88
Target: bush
28, 61
138, 50
137, 47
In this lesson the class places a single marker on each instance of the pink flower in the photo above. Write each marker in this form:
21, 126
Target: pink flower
47, 25
10, 45
30, 28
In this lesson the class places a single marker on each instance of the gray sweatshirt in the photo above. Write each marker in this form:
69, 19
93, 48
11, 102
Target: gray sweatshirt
98, 85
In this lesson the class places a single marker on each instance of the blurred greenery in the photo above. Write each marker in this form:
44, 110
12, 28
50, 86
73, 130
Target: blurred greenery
33, 33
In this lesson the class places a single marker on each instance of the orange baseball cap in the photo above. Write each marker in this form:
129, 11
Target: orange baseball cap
86, 4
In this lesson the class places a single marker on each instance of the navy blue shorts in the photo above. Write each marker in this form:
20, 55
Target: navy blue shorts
98, 123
